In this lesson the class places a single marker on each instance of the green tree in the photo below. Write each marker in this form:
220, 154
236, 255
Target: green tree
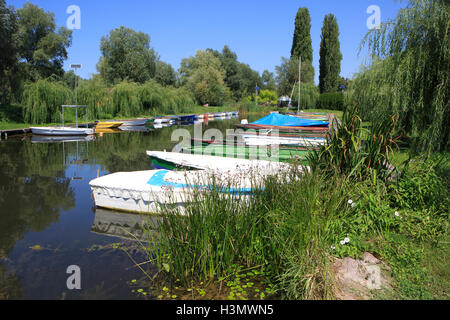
8, 51
409, 76
165, 74
330, 55
205, 78
287, 74
268, 81
127, 55
42, 47
240, 78
302, 43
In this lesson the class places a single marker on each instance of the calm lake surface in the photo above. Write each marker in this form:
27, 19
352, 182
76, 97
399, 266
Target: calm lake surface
48, 220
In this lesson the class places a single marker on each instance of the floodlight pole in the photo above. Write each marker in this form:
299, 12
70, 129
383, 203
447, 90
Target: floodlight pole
75, 67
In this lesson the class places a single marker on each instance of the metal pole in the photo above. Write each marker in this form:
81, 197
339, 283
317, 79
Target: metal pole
76, 98
76, 116
299, 82
63, 116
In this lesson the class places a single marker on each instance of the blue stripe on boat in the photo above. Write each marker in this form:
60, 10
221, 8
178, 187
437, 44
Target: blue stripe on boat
157, 180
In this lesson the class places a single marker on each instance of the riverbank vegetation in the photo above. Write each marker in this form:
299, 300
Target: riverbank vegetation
284, 240
132, 80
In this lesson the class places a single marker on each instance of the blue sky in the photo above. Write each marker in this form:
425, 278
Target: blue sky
260, 32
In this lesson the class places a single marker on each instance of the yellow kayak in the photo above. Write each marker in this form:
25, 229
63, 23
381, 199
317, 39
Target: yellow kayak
108, 125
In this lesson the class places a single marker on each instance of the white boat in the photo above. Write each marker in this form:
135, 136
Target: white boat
151, 191
254, 140
61, 131
206, 162
132, 123
66, 131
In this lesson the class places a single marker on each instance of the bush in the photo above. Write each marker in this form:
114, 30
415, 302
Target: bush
268, 97
331, 101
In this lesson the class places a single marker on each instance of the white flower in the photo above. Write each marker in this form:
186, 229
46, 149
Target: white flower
397, 214
333, 248
350, 202
353, 205
343, 242
347, 240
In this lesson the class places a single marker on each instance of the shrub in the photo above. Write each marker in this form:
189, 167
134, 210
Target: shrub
331, 101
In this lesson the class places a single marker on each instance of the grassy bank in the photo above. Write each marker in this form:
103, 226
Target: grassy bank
283, 241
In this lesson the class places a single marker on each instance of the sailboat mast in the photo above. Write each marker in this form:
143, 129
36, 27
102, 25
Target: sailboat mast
299, 82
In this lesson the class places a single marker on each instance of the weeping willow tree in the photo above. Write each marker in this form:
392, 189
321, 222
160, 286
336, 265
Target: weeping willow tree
97, 97
157, 99
309, 95
125, 99
408, 75
42, 101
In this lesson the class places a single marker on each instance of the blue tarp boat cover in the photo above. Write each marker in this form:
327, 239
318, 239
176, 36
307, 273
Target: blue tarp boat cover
279, 120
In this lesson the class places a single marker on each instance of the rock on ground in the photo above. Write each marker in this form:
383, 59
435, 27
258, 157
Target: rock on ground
360, 279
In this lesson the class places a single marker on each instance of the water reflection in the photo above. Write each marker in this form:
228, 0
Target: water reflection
48, 220
123, 225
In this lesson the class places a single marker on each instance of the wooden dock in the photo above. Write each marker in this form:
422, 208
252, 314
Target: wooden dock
4, 134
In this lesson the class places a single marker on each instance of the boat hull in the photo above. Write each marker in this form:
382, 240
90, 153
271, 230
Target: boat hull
156, 191
62, 131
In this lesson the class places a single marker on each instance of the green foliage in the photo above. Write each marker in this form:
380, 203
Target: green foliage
309, 94
421, 185
331, 101
125, 101
42, 101
126, 55
330, 56
8, 51
268, 81
94, 94
268, 97
239, 77
205, 78
346, 155
287, 75
409, 77
165, 74
43, 48
302, 43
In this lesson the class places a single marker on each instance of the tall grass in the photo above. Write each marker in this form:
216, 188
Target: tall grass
356, 152
281, 229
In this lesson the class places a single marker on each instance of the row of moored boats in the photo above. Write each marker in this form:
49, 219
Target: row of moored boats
233, 167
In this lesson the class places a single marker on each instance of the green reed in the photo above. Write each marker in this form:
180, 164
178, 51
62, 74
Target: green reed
280, 229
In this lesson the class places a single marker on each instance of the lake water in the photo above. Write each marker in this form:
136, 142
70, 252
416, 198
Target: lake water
48, 220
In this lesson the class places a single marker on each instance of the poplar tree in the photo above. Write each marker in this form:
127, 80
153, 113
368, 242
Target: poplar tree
302, 44
330, 55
